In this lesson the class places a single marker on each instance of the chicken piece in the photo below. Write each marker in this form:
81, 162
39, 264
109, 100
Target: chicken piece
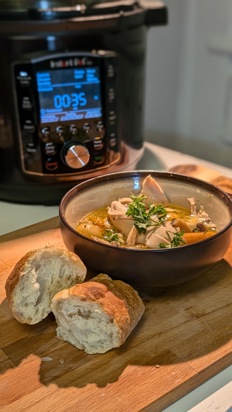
122, 224
193, 206
153, 241
117, 215
125, 200
205, 219
152, 190
162, 234
132, 236
117, 208
166, 230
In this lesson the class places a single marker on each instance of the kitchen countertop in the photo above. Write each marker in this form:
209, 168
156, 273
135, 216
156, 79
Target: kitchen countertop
216, 394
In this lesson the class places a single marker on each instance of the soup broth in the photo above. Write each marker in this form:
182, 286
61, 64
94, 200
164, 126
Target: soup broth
99, 226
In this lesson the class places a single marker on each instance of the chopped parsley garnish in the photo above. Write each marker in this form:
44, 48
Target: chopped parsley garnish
110, 235
175, 241
142, 214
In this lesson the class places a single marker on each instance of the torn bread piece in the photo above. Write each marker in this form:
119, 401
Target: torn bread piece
97, 315
37, 277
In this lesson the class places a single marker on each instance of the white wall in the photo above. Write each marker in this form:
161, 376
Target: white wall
164, 46
189, 78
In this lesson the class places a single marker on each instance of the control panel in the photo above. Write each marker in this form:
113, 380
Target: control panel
67, 116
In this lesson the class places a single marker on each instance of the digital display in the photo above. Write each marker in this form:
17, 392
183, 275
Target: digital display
69, 94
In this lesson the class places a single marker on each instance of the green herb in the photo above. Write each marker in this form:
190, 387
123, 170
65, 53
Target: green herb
175, 241
164, 245
110, 235
142, 214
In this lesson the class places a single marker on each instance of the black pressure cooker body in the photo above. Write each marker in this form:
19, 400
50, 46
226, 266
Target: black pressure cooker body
72, 92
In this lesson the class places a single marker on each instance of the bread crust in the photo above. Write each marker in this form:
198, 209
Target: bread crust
118, 300
28, 263
121, 295
13, 278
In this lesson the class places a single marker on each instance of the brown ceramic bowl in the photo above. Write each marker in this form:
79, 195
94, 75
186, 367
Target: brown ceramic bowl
146, 268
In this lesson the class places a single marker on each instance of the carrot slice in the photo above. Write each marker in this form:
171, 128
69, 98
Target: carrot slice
194, 237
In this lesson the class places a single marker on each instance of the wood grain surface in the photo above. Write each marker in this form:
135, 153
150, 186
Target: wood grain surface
205, 173
183, 339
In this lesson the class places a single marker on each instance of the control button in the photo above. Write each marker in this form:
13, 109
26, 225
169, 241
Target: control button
112, 140
24, 82
112, 117
100, 126
30, 148
26, 103
29, 126
45, 131
50, 149
73, 129
51, 164
86, 127
76, 156
24, 77
111, 95
98, 143
60, 131
99, 160
110, 71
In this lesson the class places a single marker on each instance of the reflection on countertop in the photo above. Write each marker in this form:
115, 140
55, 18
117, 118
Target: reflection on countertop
150, 161
220, 153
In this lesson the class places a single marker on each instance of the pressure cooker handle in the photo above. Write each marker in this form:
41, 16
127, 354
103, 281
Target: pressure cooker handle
156, 12
56, 12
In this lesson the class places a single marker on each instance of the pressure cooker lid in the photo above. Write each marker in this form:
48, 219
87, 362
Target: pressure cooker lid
66, 9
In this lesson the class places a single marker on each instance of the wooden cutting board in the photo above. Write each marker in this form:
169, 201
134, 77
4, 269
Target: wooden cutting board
183, 339
205, 173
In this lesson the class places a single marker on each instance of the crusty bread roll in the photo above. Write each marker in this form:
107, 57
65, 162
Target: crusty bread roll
97, 315
37, 277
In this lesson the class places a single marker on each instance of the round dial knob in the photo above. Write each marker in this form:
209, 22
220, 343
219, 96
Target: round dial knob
76, 156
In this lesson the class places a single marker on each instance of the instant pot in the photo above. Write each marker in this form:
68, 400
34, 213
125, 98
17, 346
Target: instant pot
72, 92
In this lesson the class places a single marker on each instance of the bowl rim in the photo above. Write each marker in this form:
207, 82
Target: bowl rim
82, 186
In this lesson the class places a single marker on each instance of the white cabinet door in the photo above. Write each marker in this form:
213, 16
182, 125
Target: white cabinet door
205, 97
